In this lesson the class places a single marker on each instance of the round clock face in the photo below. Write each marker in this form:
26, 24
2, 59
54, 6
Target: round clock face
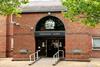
49, 24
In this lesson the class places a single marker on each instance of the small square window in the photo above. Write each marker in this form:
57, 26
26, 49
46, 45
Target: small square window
96, 43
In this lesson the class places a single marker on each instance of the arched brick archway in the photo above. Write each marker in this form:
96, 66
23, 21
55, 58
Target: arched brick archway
49, 36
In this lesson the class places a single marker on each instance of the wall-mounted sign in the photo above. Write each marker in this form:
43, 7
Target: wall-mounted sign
23, 51
50, 33
49, 24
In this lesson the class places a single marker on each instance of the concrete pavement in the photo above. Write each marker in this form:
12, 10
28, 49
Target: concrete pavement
47, 62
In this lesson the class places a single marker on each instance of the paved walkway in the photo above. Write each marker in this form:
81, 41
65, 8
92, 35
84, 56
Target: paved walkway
47, 62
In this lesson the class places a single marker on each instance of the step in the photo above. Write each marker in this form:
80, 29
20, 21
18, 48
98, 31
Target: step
45, 61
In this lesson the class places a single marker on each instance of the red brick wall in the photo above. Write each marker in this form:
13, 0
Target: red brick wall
23, 35
2, 36
78, 41
95, 54
95, 33
77, 36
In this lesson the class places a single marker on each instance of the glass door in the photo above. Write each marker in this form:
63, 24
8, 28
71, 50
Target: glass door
49, 46
52, 47
41, 46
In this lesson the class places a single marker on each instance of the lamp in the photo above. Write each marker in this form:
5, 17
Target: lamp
17, 24
31, 28
13, 22
49, 13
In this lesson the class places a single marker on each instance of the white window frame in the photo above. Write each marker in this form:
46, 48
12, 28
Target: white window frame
93, 44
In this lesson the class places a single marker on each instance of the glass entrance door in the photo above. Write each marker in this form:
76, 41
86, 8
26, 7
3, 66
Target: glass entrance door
42, 46
52, 47
49, 46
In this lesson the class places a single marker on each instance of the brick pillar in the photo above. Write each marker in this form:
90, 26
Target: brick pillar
2, 36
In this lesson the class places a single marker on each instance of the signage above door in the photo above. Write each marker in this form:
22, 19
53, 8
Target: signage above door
50, 33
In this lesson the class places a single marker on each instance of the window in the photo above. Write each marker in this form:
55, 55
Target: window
96, 43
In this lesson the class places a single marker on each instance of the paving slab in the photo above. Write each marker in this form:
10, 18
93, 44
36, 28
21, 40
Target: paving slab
47, 62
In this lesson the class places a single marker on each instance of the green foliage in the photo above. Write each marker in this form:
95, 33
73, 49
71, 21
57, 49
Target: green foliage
8, 7
88, 11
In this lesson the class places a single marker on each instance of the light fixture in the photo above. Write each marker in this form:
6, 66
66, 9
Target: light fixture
13, 22
17, 24
31, 28
60, 45
49, 13
39, 47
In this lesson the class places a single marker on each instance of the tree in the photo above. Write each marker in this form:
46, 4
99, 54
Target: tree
87, 11
8, 7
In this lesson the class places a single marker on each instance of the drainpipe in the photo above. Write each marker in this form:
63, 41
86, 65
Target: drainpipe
11, 30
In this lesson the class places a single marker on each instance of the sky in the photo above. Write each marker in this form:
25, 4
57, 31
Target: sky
39, 0
44, 3
43, 0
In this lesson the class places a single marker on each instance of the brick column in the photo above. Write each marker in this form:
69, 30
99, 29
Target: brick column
2, 36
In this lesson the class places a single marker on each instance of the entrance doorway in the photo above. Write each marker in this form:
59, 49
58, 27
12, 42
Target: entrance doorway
49, 46
50, 36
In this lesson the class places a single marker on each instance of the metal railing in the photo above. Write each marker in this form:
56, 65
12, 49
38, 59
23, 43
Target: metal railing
34, 57
57, 57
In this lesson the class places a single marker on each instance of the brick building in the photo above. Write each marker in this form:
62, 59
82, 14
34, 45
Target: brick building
43, 27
